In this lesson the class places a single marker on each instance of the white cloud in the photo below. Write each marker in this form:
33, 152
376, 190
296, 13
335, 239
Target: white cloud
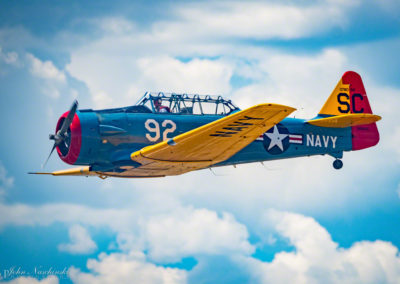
53, 79
316, 258
302, 81
167, 235
126, 268
45, 69
132, 77
119, 68
195, 232
44, 215
201, 76
31, 280
126, 61
388, 128
254, 19
80, 241
115, 25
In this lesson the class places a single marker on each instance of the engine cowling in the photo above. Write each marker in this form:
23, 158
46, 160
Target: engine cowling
82, 142
70, 148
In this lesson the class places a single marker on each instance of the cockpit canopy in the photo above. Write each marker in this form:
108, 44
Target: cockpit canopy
187, 104
176, 104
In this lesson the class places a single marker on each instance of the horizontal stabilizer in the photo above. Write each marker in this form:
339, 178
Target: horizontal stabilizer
346, 120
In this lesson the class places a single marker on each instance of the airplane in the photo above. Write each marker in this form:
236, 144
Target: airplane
171, 134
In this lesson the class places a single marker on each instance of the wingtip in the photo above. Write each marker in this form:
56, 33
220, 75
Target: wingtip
279, 106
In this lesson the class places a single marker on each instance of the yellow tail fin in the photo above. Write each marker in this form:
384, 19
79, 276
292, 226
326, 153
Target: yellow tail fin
339, 101
349, 96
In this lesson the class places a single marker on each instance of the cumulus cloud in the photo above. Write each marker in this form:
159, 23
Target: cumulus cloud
196, 76
254, 19
125, 61
45, 69
167, 236
115, 25
201, 233
120, 67
126, 268
303, 81
316, 258
80, 241
389, 129
44, 215
53, 78
132, 76
195, 232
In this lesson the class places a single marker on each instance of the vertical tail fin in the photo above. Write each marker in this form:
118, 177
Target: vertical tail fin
349, 96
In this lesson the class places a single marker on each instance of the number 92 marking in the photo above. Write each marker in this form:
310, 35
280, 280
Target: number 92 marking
154, 129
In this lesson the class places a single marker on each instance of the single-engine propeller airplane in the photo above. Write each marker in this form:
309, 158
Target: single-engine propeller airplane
171, 134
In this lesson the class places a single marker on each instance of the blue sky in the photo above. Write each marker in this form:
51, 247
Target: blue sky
288, 221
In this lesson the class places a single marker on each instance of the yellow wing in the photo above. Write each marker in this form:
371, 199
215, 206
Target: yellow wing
209, 144
345, 120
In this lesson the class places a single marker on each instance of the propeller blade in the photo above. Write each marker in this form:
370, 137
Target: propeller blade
51, 152
60, 136
68, 119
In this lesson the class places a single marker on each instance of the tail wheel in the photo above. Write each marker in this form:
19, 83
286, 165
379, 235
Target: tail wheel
337, 164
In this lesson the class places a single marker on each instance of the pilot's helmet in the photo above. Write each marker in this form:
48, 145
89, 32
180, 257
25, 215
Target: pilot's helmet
157, 102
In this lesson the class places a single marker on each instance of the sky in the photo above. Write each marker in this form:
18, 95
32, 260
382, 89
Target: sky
288, 221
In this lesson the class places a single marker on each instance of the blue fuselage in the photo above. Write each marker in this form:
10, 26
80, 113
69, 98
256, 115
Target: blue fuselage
108, 138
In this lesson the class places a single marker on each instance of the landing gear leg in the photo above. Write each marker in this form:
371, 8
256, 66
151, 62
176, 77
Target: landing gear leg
337, 164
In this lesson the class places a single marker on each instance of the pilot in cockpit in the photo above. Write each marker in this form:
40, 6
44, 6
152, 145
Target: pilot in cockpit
159, 107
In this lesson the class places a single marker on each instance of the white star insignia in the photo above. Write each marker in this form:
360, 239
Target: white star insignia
276, 138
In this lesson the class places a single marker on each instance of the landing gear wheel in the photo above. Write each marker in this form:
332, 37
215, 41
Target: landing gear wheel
337, 164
